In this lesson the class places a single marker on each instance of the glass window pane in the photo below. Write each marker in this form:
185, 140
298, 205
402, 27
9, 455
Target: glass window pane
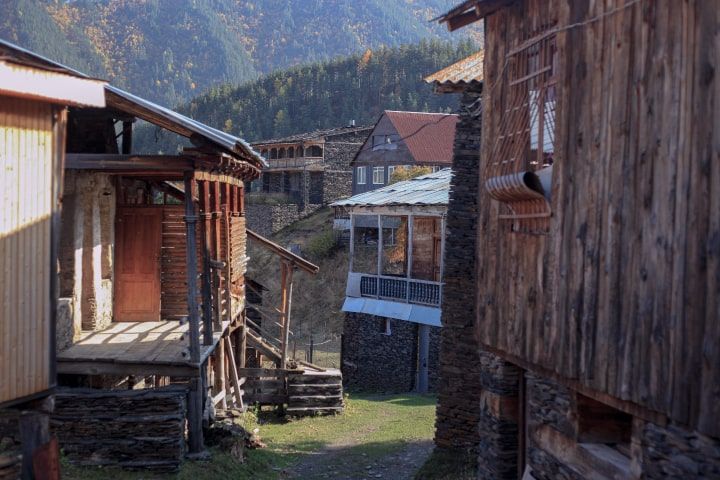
365, 248
395, 245
426, 248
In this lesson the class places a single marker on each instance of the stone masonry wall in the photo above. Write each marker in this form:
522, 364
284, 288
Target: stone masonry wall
658, 452
375, 362
341, 149
86, 254
336, 185
499, 416
458, 411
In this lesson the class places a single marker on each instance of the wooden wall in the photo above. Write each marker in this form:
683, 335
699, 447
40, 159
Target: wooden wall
623, 295
27, 158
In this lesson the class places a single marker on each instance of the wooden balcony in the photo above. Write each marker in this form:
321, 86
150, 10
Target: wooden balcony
293, 163
396, 289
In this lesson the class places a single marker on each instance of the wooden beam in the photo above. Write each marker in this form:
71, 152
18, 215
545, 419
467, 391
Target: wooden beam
124, 369
299, 262
234, 377
217, 247
286, 296
472, 11
117, 162
219, 371
191, 269
204, 195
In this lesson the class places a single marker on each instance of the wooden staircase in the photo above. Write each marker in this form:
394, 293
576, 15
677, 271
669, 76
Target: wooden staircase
315, 392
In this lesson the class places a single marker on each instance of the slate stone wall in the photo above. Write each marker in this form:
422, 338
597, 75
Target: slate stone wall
268, 219
336, 184
499, 418
126, 428
375, 362
341, 149
673, 452
458, 411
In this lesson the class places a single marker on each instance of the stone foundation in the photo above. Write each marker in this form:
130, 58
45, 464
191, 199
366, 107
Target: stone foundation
125, 428
375, 362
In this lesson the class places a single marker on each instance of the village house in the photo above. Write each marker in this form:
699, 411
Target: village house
147, 308
589, 330
304, 172
393, 297
402, 139
33, 124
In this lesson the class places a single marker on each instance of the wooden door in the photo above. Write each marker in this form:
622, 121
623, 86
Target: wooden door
426, 248
137, 264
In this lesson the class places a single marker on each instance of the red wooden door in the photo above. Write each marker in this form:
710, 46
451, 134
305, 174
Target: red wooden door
137, 264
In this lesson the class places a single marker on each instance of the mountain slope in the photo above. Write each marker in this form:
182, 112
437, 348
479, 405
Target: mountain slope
322, 95
172, 50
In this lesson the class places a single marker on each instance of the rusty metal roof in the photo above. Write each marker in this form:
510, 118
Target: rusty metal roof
430, 189
467, 70
428, 136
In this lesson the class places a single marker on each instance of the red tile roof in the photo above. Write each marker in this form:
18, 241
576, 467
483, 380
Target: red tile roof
428, 136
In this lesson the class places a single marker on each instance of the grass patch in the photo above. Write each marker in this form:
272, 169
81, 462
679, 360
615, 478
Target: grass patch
371, 427
445, 464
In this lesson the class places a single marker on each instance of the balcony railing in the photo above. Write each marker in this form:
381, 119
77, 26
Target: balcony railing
296, 162
399, 289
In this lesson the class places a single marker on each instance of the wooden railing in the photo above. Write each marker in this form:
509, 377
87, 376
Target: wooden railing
400, 289
296, 162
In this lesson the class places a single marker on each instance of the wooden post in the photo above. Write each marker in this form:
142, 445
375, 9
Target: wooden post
379, 254
206, 278
34, 433
423, 357
219, 373
191, 261
228, 262
217, 225
243, 344
411, 220
352, 241
286, 296
127, 137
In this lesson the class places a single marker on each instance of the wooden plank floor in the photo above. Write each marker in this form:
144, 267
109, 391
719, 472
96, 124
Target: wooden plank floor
140, 344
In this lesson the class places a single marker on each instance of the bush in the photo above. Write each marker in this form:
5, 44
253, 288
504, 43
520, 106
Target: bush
401, 173
322, 245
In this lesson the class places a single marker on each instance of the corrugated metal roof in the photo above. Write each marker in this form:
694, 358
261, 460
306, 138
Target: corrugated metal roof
146, 109
467, 70
179, 123
431, 189
399, 311
314, 135
428, 136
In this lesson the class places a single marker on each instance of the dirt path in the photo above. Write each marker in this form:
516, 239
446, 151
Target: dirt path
347, 460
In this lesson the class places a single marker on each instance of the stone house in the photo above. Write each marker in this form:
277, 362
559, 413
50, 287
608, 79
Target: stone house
392, 304
585, 162
307, 170
402, 139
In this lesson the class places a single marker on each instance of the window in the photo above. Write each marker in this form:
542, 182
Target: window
394, 245
378, 175
365, 244
360, 175
436, 168
314, 151
391, 170
520, 173
385, 142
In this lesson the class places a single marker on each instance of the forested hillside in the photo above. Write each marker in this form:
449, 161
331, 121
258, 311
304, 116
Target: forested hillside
173, 50
322, 95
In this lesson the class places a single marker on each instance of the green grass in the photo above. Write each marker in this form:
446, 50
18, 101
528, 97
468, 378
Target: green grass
370, 427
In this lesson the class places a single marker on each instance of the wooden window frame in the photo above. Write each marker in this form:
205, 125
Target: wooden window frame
381, 172
361, 175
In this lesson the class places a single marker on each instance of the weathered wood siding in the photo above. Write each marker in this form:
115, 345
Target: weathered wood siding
27, 151
623, 295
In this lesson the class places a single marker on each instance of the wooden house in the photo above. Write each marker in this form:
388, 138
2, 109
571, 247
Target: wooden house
597, 297
394, 287
402, 139
33, 122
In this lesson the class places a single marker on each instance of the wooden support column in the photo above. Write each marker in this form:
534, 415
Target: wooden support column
195, 395
411, 220
191, 268
217, 226
206, 276
236, 381
286, 298
219, 373
127, 137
